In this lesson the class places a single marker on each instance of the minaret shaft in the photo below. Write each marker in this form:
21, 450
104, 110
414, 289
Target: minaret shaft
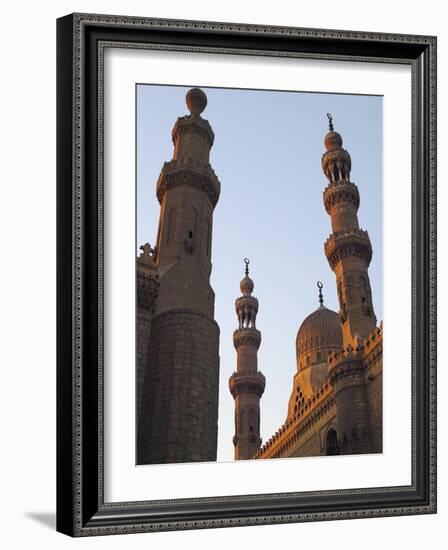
247, 383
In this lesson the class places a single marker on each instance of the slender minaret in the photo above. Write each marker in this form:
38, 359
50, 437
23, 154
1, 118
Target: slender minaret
179, 400
247, 383
349, 252
348, 248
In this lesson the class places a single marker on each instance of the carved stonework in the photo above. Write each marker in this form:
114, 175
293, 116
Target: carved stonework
147, 290
342, 192
337, 165
343, 244
192, 174
247, 337
198, 125
148, 256
246, 309
243, 382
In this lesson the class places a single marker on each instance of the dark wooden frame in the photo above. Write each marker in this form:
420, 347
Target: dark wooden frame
81, 510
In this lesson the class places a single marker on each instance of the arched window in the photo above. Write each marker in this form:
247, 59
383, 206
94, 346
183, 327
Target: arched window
331, 443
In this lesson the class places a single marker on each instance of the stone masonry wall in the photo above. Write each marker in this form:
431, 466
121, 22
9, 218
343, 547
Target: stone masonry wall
180, 409
374, 365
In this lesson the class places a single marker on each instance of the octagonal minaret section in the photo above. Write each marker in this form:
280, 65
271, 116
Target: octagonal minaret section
247, 383
348, 248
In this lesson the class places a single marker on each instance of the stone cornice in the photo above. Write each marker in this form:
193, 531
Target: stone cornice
294, 428
247, 337
190, 123
347, 364
246, 382
336, 193
373, 347
192, 173
343, 244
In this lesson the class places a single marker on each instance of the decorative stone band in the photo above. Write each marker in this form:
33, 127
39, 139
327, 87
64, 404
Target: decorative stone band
354, 242
374, 339
147, 290
340, 192
373, 347
293, 429
198, 125
247, 337
244, 382
195, 174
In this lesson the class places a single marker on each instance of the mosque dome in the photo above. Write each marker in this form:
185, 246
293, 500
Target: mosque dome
319, 333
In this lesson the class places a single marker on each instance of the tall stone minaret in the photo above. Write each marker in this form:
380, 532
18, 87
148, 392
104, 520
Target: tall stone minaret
348, 248
247, 383
179, 400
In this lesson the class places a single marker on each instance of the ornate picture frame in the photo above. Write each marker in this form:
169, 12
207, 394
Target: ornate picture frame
81, 506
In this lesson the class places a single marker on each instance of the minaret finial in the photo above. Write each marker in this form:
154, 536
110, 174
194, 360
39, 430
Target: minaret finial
196, 101
247, 262
330, 122
321, 296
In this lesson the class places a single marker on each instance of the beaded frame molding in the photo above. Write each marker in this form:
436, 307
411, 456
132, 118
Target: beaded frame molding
81, 509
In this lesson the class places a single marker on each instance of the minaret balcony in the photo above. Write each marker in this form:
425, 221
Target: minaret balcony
247, 382
247, 336
345, 244
340, 192
188, 123
189, 172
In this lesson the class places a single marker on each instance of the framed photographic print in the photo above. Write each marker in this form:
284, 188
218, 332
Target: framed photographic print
246, 274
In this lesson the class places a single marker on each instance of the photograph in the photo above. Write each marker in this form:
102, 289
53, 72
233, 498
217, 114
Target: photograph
259, 274
242, 210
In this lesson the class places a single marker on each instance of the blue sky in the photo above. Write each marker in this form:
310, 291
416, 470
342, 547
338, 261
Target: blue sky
267, 155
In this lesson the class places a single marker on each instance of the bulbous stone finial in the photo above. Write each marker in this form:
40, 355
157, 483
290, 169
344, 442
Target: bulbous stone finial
196, 101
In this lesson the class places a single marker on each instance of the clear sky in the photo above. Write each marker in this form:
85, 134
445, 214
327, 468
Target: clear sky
267, 156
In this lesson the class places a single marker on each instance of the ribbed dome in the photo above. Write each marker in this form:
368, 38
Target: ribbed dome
320, 332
